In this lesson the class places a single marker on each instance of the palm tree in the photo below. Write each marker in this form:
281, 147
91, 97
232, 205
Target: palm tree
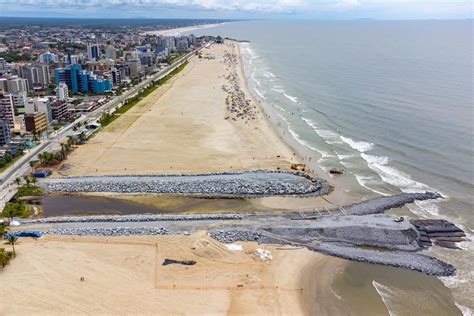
64, 150
5, 256
34, 180
82, 137
12, 241
27, 180
2, 230
17, 181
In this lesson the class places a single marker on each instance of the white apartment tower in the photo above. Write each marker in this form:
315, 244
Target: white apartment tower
62, 92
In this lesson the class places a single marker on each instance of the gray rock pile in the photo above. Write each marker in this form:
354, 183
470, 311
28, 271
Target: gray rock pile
230, 236
251, 183
102, 231
133, 218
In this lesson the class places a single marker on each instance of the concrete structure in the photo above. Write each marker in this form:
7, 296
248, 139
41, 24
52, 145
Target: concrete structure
72, 76
72, 59
7, 112
79, 80
59, 110
15, 85
110, 52
62, 91
48, 58
3, 63
35, 74
93, 51
98, 84
42, 105
135, 67
169, 42
35, 122
19, 99
182, 44
5, 135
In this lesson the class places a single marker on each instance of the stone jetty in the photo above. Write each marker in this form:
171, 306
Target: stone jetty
256, 183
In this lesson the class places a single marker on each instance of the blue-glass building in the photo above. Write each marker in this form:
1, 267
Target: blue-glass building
78, 80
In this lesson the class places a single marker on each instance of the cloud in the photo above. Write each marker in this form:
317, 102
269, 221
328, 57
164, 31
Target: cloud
224, 5
346, 4
322, 9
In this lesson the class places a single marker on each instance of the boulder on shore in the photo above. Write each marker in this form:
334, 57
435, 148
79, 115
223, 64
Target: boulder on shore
335, 170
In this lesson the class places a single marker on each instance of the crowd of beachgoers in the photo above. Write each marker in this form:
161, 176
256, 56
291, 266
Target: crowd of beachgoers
237, 104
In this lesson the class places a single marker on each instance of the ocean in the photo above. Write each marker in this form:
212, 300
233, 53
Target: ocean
391, 102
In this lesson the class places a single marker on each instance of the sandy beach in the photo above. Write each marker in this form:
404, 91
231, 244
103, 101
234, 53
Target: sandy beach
182, 127
178, 31
187, 125
125, 275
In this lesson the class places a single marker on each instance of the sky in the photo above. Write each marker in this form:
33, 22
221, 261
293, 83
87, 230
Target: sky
241, 9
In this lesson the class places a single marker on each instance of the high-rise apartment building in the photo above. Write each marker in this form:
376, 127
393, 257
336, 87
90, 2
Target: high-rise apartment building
93, 51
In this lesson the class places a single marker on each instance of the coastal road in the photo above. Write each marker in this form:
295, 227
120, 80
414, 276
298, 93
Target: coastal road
20, 167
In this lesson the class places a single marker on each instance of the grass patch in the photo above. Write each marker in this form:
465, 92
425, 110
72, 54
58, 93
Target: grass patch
107, 118
16, 209
31, 190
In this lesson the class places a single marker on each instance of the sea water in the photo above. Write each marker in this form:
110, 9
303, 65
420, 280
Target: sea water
391, 102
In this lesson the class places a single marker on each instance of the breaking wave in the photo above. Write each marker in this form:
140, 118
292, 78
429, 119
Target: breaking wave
386, 295
359, 146
291, 98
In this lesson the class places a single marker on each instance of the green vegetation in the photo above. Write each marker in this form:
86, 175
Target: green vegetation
108, 118
29, 190
47, 158
13, 56
16, 209
5, 257
9, 159
12, 241
70, 46
171, 58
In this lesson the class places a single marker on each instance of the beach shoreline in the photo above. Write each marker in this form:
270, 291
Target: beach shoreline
182, 127
178, 31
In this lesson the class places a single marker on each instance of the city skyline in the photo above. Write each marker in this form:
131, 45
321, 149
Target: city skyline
241, 9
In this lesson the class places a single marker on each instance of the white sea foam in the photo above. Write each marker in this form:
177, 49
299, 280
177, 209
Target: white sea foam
393, 176
279, 90
260, 94
359, 146
300, 140
324, 154
270, 75
365, 181
386, 294
255, 79
291, 98
344, 157
404, 182
466, 311
329, 136
280, 108
284, 119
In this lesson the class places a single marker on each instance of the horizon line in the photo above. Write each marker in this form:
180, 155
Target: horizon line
234, 19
